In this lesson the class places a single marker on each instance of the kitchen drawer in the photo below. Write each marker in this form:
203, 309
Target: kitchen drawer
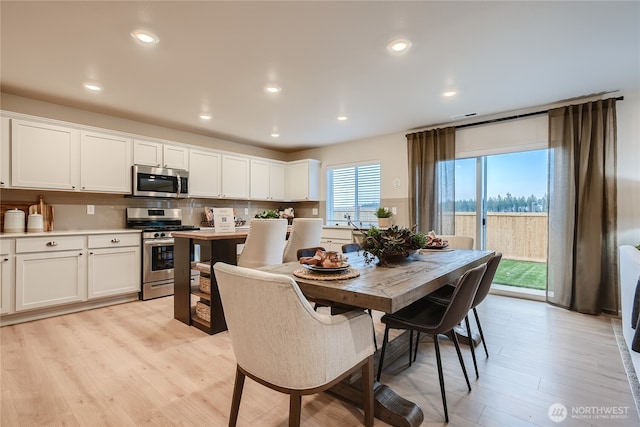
114, 240
5, 246
50, 243
337, 233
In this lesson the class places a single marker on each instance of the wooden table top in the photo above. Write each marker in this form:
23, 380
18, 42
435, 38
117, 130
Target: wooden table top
210, 234
388, 289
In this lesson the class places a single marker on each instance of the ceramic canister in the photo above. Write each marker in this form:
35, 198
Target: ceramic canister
35, 223
14, 221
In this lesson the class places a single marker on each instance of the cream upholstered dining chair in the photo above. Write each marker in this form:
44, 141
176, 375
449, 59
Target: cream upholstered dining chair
265, 243
305, 233
459, 242
281, 343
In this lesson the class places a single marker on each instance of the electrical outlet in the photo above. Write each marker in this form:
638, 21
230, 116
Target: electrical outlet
246, 211
91, 210
314, 211
394, 210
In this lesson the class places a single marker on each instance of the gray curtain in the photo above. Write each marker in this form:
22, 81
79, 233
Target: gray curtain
431, 180
582, 258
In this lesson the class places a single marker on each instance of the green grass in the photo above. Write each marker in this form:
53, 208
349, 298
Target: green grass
523, 274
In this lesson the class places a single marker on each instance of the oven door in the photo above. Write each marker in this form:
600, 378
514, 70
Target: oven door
157, 260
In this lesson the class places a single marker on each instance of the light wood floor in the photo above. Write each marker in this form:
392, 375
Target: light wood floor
134, 365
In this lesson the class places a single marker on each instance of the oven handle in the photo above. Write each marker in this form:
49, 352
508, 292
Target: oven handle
158, 242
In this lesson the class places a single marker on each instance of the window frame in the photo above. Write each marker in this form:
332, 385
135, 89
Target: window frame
357, 216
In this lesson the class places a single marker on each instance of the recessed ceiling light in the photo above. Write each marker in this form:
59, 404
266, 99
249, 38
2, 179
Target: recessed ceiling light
275, 135
272, 88
399, 46
449, 92
342, 118
205, 116
145, 37
93, 87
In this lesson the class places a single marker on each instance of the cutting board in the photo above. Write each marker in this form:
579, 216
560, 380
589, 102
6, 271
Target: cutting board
47, 214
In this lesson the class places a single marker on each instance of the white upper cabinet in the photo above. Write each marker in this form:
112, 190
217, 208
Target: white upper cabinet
44, 156
267, 179
5, 160
105, 163
205, 174
235, 177
147, 153
175, 157
302, 180
160, 155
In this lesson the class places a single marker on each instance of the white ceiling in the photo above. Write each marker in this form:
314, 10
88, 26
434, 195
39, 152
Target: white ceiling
330, 58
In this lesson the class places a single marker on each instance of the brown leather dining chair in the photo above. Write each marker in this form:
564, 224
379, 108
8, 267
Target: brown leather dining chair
443, 296
436, 319
307, 252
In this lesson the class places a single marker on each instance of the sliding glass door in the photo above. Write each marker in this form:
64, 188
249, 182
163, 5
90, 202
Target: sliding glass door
501, 201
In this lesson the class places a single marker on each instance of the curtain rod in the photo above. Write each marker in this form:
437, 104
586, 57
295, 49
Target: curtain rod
518, 116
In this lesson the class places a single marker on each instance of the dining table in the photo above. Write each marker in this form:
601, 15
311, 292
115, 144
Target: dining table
362, 285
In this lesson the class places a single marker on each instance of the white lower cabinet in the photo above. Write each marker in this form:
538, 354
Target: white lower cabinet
332, 239
64, 269
44, 279
114, 265
7, 274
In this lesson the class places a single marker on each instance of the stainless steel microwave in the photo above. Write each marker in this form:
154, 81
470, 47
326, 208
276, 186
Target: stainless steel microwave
159, 182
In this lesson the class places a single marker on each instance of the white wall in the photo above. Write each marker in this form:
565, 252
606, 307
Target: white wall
628, 112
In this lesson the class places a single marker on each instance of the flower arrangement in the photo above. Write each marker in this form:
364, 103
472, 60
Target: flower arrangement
391, 244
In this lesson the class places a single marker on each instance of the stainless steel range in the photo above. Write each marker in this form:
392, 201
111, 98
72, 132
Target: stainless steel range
157, 247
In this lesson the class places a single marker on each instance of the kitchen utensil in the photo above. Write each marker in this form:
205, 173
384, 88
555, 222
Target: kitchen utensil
35, 223
14, 221
46, 211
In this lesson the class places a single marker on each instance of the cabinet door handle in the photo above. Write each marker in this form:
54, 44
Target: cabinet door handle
115, 240
5, 259
80, 254
52, 243
90, 253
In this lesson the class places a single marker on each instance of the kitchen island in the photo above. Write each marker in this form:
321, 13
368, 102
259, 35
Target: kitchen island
214, 247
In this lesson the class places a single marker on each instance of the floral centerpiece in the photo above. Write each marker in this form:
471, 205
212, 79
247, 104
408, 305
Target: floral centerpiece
394, 243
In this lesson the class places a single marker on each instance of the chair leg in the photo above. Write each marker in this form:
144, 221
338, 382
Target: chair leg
441, 377
367, 392
375, 342
415, 351
464, 369
473, 350
484, 344
295, 409
237, 395
384, 347
410, 345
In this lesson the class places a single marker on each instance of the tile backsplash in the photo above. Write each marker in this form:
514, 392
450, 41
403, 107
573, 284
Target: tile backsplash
70, 209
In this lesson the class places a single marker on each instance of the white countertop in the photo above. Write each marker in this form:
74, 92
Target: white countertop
70, 232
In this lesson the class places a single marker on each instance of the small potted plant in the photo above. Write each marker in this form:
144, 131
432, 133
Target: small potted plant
384, 216
269, 213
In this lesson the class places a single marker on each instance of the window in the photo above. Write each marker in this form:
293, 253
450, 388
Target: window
353, 191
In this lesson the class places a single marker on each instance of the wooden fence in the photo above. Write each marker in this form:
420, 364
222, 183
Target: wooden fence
519, 236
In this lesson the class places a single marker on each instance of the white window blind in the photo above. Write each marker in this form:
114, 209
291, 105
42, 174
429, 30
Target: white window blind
353, 191
526, 134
